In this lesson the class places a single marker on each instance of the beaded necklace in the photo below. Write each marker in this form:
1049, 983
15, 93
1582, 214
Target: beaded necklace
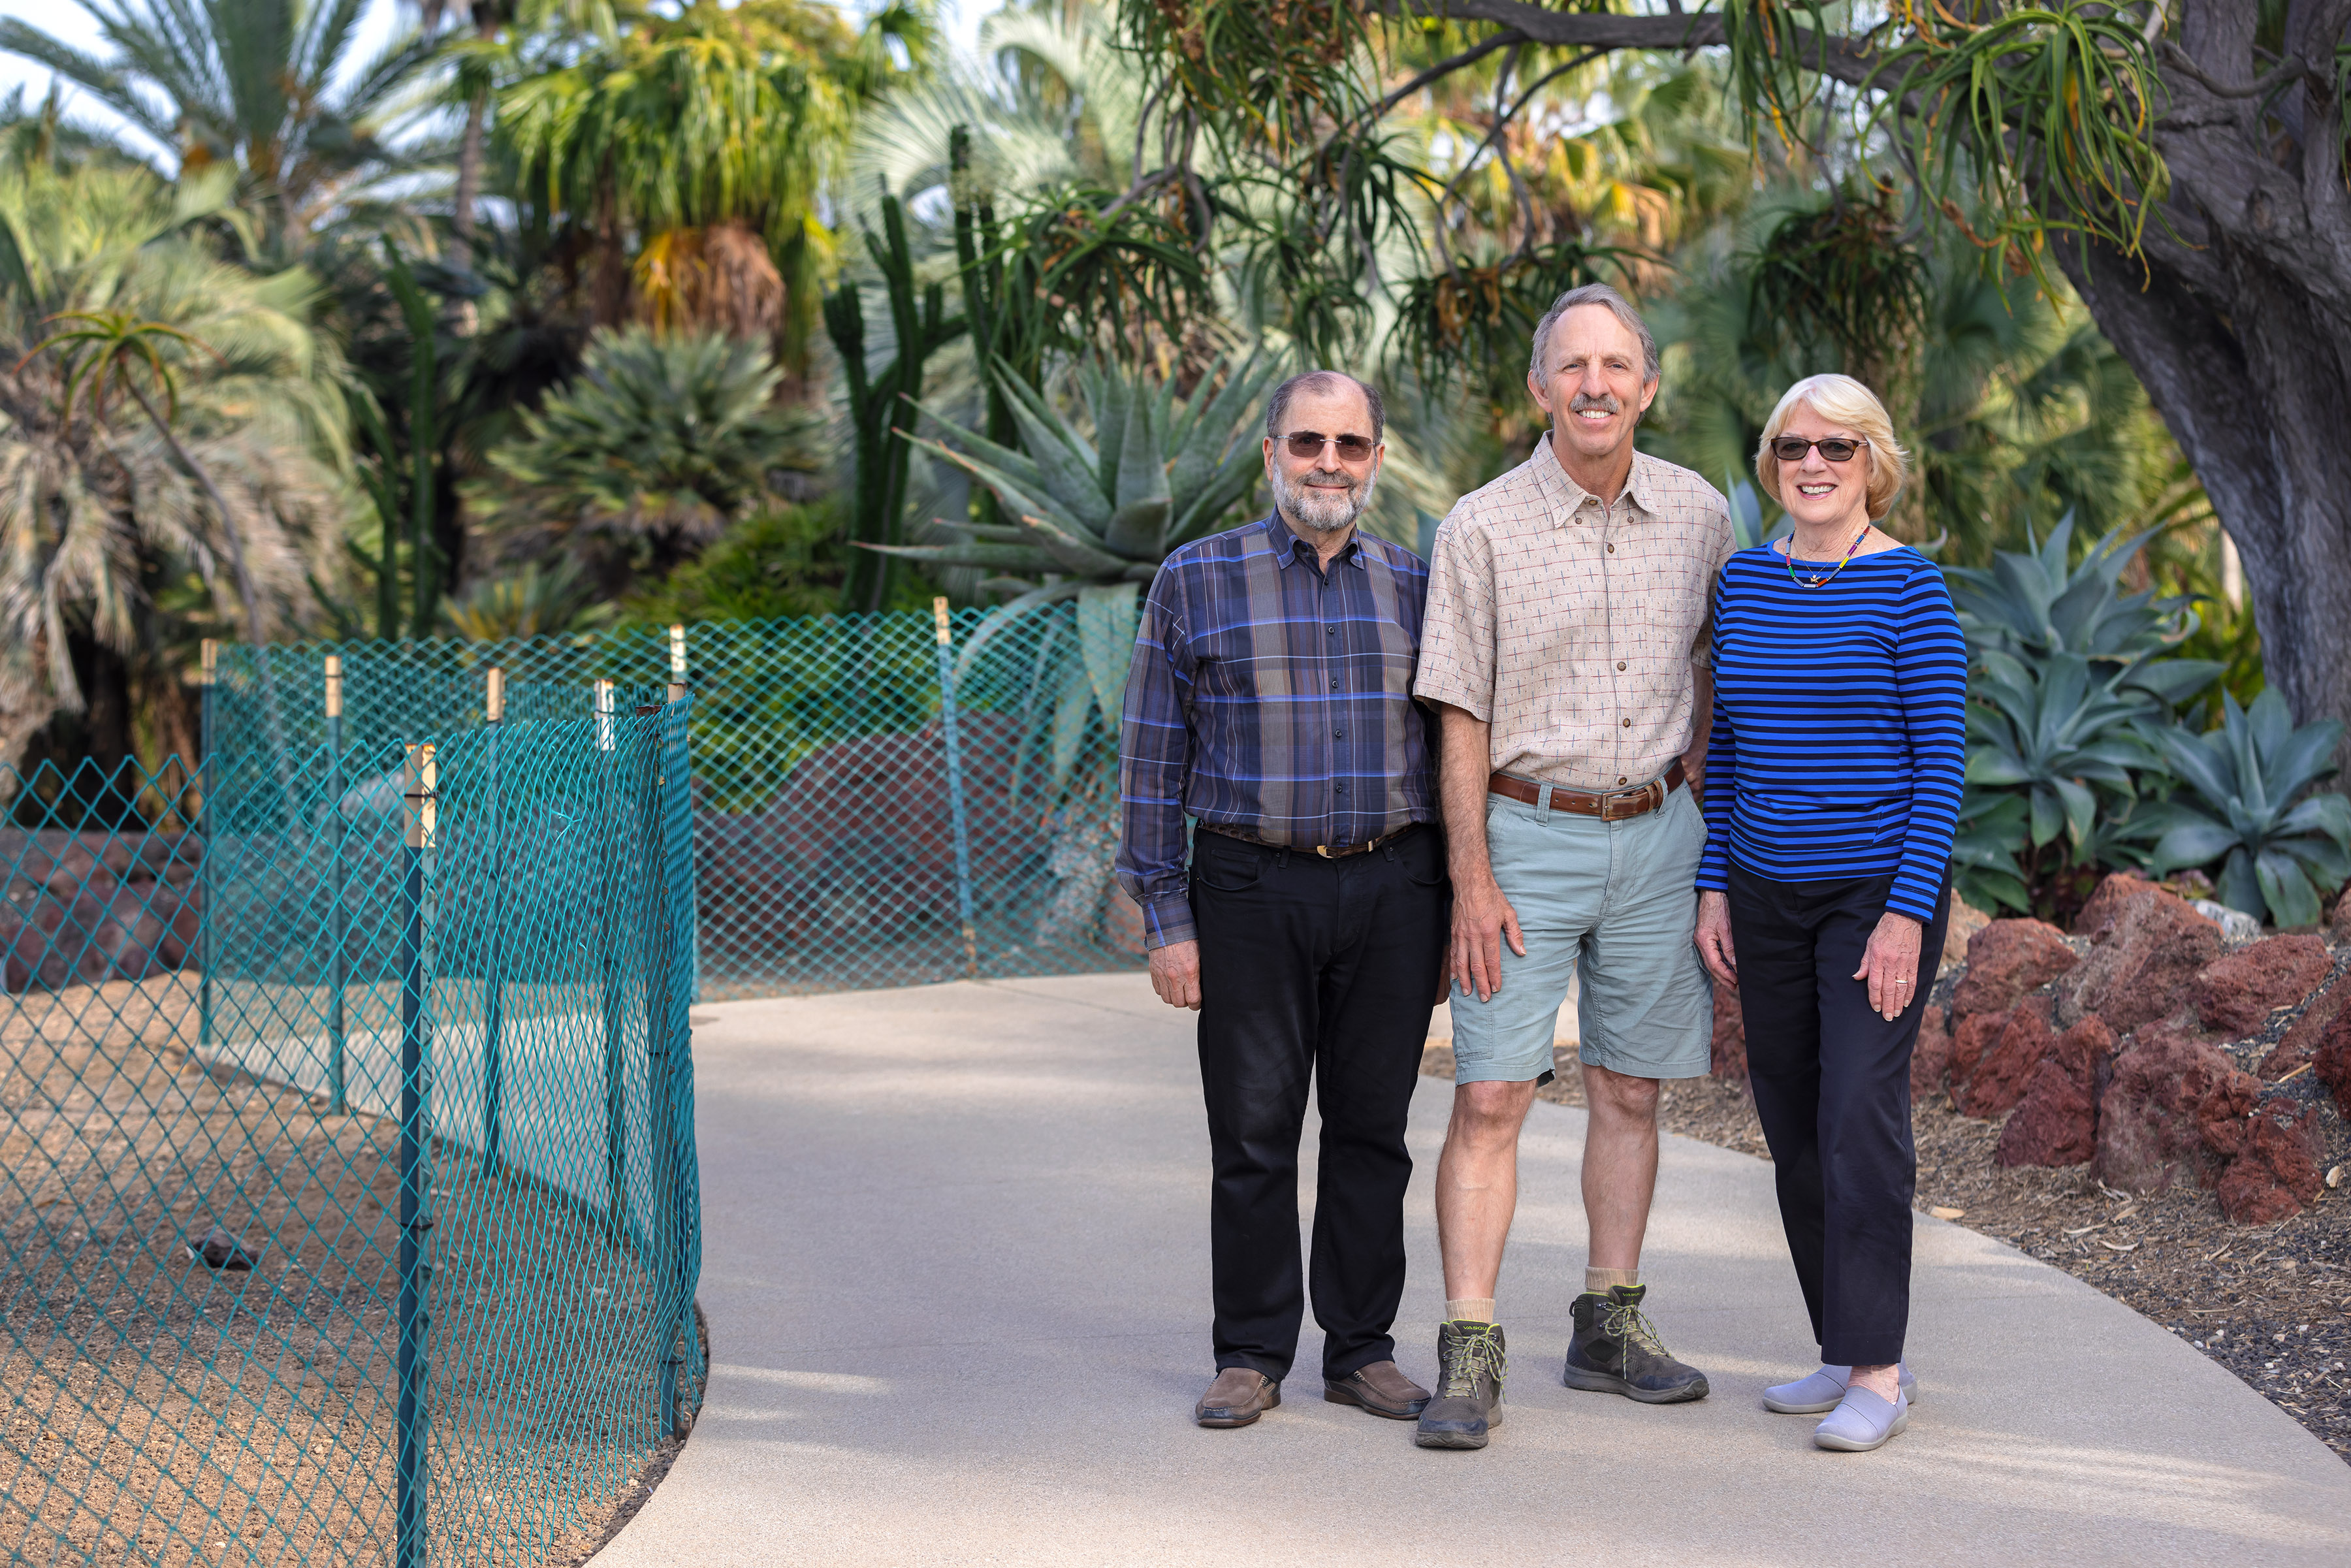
1816, 579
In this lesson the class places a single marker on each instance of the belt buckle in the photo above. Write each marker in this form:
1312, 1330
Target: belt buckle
1324, 850
1637, 799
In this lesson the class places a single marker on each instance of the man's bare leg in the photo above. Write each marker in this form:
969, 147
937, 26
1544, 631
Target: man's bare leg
1620, 1165
1478, 1184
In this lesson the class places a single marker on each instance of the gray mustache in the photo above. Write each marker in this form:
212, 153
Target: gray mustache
1604, 400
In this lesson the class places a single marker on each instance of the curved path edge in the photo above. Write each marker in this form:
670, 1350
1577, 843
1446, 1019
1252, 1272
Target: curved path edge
955, 1277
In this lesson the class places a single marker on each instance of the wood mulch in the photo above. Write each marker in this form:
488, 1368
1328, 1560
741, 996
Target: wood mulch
2271, 1303
156, 1409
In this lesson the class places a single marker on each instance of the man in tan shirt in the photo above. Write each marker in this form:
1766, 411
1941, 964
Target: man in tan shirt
1566, 599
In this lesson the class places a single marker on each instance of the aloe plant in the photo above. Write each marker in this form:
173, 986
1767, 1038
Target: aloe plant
2281, 845
2035, 602
1097, 516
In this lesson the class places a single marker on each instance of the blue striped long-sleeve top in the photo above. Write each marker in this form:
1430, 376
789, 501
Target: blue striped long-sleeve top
1271, 696
1840, 724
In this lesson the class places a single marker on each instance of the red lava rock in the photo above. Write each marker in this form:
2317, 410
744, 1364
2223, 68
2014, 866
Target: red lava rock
2146, 948
2275, 1174
2223, 1116
2339, 929
1998, 1081
1972, 1038
2006, 959
2303, 1040
1931, 1059
2331, 1061
2056, 1123
1729, 1035
2147, 1126
2237, 994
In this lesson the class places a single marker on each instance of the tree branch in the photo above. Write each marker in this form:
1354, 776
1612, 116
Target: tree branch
1849, 61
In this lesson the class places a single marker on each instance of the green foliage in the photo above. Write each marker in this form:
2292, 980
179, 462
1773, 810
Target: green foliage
527, 602
781, 560
2043, 115
2037, 602
1159, 470
1842, 276
271, 90
659, 443
2281, 844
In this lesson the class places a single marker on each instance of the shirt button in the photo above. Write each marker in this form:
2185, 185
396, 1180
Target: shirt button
1339, 788
1334, 685
1338, 735
1620, 779
1629, 724
1620, 664
1612, 549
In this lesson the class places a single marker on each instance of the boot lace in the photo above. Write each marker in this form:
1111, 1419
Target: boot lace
1627, 1322
1473, 1356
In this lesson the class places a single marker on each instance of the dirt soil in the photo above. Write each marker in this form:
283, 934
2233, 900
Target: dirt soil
2271, 1303
159, 1410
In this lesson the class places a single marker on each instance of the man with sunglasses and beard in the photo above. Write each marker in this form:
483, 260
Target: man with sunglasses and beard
1270, 699
1566, 601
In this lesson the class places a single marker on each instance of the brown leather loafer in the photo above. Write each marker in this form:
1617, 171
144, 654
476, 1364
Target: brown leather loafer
1238, 1397
1380, 1388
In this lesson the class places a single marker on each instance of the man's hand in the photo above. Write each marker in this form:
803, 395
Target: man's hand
1481, 916
1175, 974
1714, 937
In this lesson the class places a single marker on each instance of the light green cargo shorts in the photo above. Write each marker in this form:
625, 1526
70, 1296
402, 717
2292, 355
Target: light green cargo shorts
1617, 900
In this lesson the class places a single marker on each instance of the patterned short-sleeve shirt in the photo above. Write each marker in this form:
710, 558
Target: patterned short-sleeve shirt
1569, 625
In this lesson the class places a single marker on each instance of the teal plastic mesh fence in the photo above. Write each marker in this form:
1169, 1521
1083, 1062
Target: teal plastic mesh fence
347, 1177
841, 840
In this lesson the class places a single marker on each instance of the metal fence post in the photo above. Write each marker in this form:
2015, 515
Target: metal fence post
208, 827
494, 1013
415, 1213
338, 979
954, 786
677, 687
606, 847
663, 945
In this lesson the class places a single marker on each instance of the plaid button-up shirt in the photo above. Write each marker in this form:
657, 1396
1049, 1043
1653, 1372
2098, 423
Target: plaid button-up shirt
1569, 625
1270, 695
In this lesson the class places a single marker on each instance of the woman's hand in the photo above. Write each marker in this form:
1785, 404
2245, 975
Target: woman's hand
1891, 963
1714, 937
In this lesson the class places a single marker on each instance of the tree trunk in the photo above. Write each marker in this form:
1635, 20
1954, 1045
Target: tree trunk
2241, 330
469, 185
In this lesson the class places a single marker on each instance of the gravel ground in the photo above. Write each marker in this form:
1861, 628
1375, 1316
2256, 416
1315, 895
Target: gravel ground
2271, 1303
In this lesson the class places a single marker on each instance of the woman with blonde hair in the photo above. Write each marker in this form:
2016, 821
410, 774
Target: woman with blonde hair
1832, 794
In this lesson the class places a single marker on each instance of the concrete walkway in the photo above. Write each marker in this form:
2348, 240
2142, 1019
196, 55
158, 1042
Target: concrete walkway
957, 1279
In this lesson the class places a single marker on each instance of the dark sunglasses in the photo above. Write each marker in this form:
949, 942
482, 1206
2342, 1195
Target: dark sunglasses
1309, 443
1835, 448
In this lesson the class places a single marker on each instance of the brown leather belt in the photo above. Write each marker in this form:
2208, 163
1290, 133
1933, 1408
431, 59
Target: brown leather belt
1612, 807
1327, 852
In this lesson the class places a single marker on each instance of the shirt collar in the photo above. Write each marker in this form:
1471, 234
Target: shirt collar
1286, 544
1560, 488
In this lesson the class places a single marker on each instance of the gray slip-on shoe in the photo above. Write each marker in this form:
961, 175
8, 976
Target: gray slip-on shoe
1819, 1393
1861, 1421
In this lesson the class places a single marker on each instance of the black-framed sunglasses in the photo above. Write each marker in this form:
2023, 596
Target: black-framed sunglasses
1834, 448
1309, 443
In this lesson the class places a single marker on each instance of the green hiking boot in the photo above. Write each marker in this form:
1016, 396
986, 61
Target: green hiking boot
1469, 1399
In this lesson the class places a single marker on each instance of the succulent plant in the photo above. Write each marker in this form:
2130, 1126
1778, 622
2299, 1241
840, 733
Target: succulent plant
2279, 845
1159, 471
2033, 603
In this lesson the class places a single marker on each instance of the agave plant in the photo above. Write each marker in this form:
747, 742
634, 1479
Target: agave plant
1099, 515
2281, 845
2061, 729
2033, 602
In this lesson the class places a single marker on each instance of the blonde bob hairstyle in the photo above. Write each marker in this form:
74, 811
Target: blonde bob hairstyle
1842, 401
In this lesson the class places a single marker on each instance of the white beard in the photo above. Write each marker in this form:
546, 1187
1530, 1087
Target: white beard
1325, 511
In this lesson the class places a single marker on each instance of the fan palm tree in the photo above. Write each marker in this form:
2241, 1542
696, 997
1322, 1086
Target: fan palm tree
637, 126
222, 442
265, 89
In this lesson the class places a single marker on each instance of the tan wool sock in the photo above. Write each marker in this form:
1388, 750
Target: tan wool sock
1473, 1311
1597, 1281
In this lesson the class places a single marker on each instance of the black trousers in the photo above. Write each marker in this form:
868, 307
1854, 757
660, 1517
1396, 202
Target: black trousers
1831, 1085
1324, 969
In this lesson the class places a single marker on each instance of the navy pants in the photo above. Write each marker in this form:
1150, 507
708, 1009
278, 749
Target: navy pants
1832, 1085
1319, 969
